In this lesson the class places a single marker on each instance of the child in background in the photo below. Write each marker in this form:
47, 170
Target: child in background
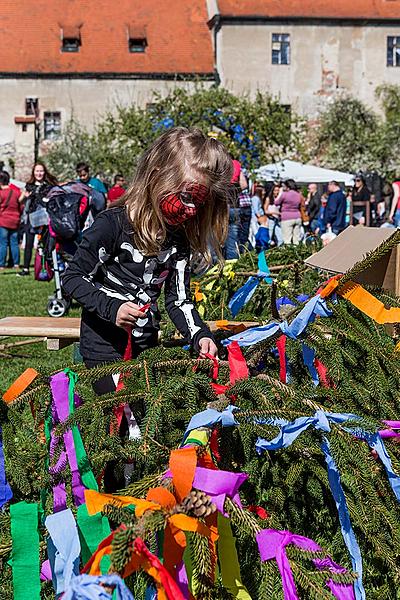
262, 239
177, 204
321, 216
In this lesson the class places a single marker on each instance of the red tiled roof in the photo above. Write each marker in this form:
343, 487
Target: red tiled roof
338, 9
178, 38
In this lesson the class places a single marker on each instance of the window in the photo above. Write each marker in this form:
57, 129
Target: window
137, 44
137, 38
32, 106
393, 51
71, 38
70, 45
280, 49
52, 125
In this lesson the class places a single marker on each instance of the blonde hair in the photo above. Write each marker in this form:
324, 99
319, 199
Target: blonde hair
178, 156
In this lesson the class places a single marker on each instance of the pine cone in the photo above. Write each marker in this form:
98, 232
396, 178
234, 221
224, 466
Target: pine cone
197, 504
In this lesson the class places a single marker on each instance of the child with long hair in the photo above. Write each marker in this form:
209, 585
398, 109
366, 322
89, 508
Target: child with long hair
37, 186
176, 204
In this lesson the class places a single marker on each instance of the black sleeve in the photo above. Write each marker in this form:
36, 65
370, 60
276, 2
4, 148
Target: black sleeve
96, 247
179, 305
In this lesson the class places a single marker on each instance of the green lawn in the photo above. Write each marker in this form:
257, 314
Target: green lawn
24, 296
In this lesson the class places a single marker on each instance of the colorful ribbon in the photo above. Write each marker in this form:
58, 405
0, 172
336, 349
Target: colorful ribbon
392, 432
321, 420
63, 548
25, 551
64, 401
210, 417
316, 307
229, 562
368, 304
272, 544
245, 293
5, 490
342, 591
90, 587
92, 529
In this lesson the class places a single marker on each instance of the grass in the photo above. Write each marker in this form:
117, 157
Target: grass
23, 296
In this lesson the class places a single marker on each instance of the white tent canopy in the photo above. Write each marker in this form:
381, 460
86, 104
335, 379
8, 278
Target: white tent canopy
290, 169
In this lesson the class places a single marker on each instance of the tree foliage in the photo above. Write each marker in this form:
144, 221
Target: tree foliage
253, 130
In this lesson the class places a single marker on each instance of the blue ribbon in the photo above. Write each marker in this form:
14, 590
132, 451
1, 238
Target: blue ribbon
210, 417
284, 301
321, 420
308, 358
316, 307
90, 587
63, 548
5, 490
244, 294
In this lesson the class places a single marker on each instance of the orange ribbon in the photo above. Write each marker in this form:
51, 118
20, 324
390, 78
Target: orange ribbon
368, 304
20, 385
330, 286
95, 502
182, 464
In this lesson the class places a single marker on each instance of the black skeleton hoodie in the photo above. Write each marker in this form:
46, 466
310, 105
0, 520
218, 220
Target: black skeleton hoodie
108, 270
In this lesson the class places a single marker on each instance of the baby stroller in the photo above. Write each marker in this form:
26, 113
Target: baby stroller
68, 207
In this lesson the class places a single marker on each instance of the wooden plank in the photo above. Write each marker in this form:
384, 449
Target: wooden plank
64, 327
59, 343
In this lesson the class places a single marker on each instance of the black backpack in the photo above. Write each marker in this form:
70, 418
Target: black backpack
63, 211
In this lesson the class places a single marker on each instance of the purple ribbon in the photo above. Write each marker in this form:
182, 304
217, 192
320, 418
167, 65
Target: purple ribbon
218, 485
45, 571
272, 544
182, 579
59, 384
342, 591
389, 433
5, 490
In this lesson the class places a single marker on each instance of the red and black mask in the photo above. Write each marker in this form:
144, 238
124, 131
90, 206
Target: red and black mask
183, 205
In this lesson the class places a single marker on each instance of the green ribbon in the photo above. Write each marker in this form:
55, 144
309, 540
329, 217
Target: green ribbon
25, 551
86, 473
228, 560
92, 530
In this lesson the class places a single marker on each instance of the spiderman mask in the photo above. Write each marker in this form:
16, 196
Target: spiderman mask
183, 205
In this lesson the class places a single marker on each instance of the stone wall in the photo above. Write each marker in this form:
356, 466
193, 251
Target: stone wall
325, 60
85, 99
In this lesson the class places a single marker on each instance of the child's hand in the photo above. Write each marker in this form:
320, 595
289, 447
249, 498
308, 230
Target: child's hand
128, 313
207, 346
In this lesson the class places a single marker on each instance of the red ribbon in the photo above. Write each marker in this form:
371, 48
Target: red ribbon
281, 346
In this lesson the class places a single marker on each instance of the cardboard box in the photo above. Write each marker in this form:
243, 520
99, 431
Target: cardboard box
350, 247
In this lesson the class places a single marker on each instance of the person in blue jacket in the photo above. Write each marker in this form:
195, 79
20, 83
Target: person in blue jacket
335, 212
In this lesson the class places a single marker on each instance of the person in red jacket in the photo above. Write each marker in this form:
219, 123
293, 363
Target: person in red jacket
117, 190
10, 215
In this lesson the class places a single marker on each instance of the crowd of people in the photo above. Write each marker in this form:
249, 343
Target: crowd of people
22, 211
287, 213
261, 214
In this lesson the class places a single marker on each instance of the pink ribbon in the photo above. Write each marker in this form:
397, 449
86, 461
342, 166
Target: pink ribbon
272, 544
389, 433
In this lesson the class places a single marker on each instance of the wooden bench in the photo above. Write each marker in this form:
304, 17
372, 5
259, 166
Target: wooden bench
57, 333
61, 332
